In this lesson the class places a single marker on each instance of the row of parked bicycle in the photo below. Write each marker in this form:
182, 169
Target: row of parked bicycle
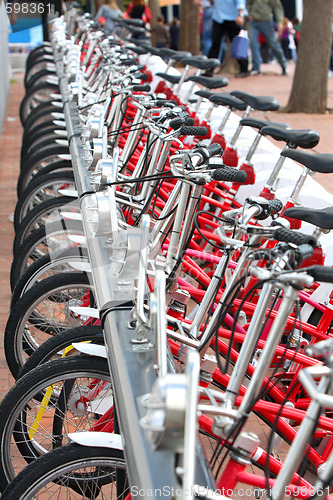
156, 318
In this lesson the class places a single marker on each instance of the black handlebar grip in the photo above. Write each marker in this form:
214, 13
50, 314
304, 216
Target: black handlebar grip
229, 174
164, 102
274, 206
321, 273
137, 68
197, 131
143, 77
289, 236
215, 149
189, 122
176, 123
128, 62
302, 253
141, 88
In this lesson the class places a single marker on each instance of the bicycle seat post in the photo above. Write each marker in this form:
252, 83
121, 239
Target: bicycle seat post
258, 103
247, 165
293, 138
290, 295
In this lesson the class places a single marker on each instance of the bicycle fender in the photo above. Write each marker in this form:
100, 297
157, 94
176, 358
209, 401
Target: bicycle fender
100, 439
99, 351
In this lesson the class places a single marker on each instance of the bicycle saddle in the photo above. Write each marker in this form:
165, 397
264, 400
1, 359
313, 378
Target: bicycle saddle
136, 30
207, 94
322, 163
259, 124
137, 49
169, 78
210, 82
303, 138
260, 103
138, 41
130, 61
176, 55
321, 218
153, 50
201, 62
226, 99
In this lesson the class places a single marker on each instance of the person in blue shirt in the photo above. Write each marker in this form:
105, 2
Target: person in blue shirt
206, 26
108, 14
228, 19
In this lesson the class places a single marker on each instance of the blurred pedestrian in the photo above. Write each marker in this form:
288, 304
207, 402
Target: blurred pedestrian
261, 14
174, 33
206, 26
137, 9
287, 39
228, 19
161, 32
297, 29
108, 14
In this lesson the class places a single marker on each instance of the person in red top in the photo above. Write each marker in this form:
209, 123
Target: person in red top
137, 9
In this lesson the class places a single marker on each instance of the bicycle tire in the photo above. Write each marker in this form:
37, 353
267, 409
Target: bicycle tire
43, 155
31, 168
57, 166
25, 434
37, 217
35, 65
35, 75
47, 266
39, 131
54, 347
52, 238
45, 473
39, 190
44, 311
33, 98
40, 143
39, 115
40, 65
37, 52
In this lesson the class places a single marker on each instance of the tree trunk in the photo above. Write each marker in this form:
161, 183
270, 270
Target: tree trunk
309, 90
155, 8
190, 26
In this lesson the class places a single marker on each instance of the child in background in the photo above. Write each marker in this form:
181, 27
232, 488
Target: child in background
161, 32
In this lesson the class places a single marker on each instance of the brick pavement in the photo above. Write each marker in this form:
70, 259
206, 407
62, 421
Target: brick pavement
10, 144
268, 83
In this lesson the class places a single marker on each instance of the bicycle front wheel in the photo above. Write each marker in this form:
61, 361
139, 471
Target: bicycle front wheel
59, 397
73, 472
43, 311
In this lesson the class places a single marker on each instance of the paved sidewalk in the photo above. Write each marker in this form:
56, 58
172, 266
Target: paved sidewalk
10, 145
